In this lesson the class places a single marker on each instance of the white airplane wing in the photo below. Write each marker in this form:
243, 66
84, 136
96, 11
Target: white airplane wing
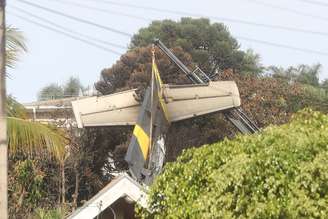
183, 102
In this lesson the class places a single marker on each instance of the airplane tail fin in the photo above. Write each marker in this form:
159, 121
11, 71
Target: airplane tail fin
146, 151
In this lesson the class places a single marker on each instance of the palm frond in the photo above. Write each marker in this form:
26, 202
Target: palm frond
33, 137
15, 109
15, 45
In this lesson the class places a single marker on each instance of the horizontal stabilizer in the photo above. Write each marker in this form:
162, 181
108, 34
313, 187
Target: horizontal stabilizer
183, 102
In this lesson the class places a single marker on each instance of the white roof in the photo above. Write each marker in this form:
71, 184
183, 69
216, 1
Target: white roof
121, 186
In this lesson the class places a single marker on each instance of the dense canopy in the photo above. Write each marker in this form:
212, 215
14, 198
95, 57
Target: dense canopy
267, 100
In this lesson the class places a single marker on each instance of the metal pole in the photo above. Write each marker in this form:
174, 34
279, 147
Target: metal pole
151, 106
3, 121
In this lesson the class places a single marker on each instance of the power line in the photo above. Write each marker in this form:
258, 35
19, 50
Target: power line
76, 18
291, 29
288, 10
231, 20
102, 10
239, 37
67, 29
66, 34
314, 2
282, 46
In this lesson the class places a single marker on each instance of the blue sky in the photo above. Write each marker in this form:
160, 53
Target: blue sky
54, 58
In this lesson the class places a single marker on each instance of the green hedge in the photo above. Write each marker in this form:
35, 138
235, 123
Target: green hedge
280, 173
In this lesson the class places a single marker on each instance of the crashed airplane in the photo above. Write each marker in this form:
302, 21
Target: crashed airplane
162, 105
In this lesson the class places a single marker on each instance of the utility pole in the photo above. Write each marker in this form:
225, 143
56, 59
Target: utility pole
3, 121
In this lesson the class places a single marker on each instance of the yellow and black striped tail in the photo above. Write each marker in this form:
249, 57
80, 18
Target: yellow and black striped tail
146, 151
139, 146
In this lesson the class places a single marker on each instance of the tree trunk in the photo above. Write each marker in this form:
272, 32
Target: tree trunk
77, 183
3, 123
20, 200
59, 186
62, 171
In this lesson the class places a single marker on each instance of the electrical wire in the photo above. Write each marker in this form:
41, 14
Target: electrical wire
65, 34
282, 46
288, 10
66, 29
231, 20
314, 2
102, 10
254, 40
291, 29
76, 18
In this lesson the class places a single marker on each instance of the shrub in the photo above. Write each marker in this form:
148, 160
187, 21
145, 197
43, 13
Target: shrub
279, 173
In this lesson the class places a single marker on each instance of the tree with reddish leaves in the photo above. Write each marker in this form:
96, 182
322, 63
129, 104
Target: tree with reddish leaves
270, 100
267, 100
133, 70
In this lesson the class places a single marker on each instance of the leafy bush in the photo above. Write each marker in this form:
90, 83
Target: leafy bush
279, 173
49, 214
26, 188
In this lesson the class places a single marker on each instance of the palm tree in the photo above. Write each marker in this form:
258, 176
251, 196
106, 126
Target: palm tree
23, 135
15, 46
30, 138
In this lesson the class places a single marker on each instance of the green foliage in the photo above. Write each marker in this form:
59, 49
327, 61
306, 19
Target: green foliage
309, 74
279, 173
30, 178
33, 138
304, 74
51, 91
40, 177
252, 63
15, 45
15, 109
72, 87
42, 143
324, 85
49, 214
315, 97
211, 45
26, 187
